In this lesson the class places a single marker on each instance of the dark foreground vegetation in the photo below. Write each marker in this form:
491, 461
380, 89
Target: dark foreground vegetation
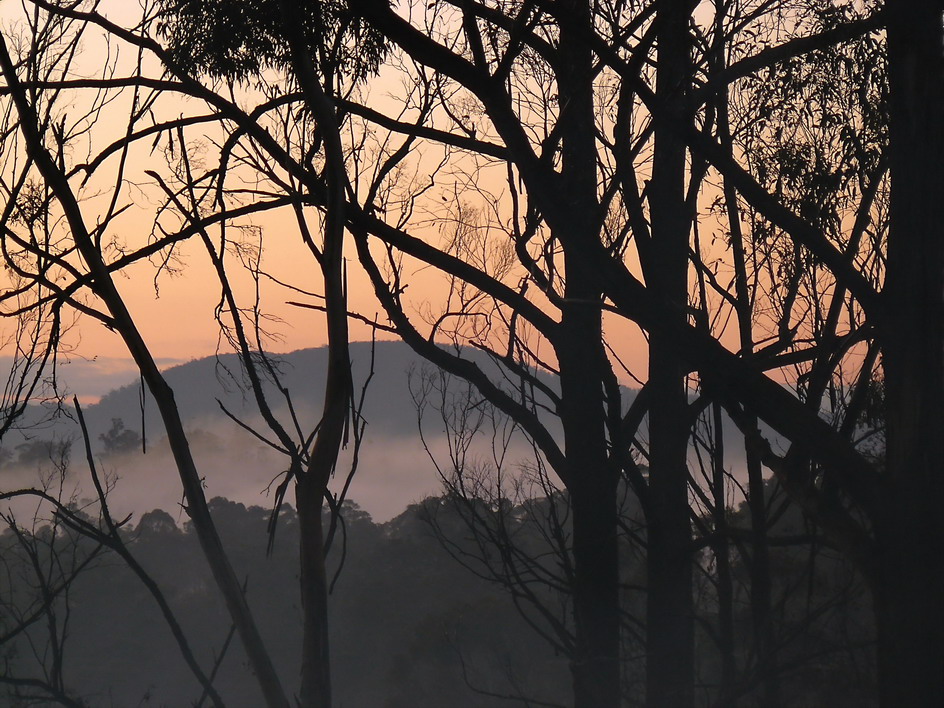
412, 626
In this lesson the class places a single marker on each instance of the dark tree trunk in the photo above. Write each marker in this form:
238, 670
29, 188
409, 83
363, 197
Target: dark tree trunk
590, 481
596, 674
316, 665
670, 624
312, 484
310, 492
722, 554
761, 590
909, 582
761, 585
669, 616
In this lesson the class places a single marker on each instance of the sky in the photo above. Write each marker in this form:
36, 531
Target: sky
175, 311
176, 314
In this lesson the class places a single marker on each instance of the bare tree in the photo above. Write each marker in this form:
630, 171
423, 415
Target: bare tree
589, 142
485, 43
55, 552
65, 237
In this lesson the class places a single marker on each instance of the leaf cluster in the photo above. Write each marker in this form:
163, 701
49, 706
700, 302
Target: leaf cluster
237, 39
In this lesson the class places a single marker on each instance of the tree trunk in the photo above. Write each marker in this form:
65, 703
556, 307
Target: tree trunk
909, 582
596, 671
313, 483
316, 665
670, 624
722, 552
596, 674
590, 481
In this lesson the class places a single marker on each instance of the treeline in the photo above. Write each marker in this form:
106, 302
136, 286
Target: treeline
418, 617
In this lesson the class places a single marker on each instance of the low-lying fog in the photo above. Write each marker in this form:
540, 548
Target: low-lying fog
393, 471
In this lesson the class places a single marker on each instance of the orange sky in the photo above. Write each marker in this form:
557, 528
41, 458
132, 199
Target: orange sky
177, 320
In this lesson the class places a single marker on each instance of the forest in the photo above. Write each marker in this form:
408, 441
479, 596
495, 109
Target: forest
675, 272
438, 634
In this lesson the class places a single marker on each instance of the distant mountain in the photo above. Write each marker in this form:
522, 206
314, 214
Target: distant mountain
202, 385
394, 471
394, 468
199, 384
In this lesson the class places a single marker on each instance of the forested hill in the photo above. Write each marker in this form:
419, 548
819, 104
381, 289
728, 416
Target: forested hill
410, 626
200, 386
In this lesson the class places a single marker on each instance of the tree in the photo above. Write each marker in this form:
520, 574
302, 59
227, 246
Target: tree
119, 439
582, 147
313, 456
489, 41
909, 545
48, 162
504, 519
42, 558
44, 564
42, 453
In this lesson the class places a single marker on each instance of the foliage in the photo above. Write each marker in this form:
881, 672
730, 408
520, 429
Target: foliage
41, 452
236, 39
119, 439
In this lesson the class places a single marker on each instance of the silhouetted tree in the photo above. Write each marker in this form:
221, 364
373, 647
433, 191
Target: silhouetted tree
573, 149
46, 453
118, 439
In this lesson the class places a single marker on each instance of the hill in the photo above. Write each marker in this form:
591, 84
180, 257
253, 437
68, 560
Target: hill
394, 469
